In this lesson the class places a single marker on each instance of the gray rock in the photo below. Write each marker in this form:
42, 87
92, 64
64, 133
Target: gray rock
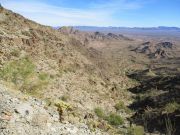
30, 118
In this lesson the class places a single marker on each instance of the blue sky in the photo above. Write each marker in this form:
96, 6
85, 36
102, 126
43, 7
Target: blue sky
130, 13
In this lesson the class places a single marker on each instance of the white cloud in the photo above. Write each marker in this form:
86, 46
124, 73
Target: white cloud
96, 15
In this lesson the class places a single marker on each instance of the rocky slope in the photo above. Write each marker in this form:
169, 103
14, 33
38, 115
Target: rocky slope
58, 69
71, 82
50, 51
25, 115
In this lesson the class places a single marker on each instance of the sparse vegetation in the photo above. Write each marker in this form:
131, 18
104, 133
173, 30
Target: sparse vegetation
170, 127
171, 107
150, 93
99, 112
61, 108
121, 106
66, 69
17, 70
15, 53
23, 75
43, 76
63, 105
87, 68
114, 119
136, 130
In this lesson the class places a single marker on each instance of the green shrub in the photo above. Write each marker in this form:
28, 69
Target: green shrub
130, 131
43, 76
114, 119
171, 107
120, 106
99, 112
17, 71
136, 130
23, 75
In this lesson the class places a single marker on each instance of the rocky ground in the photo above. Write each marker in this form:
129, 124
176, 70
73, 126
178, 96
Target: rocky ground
25, 115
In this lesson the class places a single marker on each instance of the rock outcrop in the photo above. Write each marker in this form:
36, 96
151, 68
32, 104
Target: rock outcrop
159, 50
92, 36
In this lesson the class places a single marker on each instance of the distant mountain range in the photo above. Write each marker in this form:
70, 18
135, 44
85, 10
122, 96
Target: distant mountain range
94, 28
141, 31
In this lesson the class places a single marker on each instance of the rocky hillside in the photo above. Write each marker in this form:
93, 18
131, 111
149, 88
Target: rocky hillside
159, 50
25, 115
70, 82
53, 71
